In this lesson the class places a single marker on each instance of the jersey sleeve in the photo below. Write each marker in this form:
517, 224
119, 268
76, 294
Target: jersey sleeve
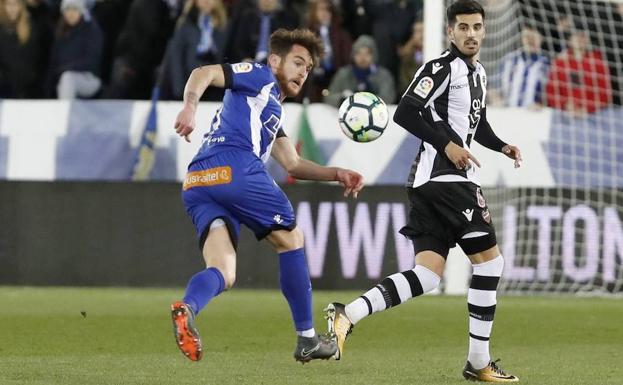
429, 82
248, 77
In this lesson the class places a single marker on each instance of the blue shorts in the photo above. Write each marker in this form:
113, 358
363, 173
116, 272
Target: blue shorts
235, 186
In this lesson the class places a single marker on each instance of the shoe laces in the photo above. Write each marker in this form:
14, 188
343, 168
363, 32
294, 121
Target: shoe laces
494, 366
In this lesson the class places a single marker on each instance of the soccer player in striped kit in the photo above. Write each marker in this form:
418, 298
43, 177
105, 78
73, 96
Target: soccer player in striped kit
228, 185
445, 107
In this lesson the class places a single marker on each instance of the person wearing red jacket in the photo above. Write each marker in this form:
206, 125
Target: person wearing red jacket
579, 79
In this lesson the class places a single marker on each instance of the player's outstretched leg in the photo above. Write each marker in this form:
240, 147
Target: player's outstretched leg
316, 347
186, 335
490, 373
201, 288
392, 291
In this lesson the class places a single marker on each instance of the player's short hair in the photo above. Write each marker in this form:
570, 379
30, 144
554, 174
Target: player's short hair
463, 7
282, 40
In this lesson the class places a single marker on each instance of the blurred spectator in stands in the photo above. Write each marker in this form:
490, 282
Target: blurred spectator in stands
392, 26
76, 53
199, 40
44, 12
22, 46
358, 16
411, 56
613, 46
579, 80
141, 46
110, 16
523, 72
324, 20
362, 75
250, 42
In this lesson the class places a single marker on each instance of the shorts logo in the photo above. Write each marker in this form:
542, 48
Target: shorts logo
277, 219
469, 213
209, 177
486, 215
424, 87
480, 198
241, 68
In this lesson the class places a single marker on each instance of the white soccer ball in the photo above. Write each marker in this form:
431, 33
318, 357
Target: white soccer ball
363, 116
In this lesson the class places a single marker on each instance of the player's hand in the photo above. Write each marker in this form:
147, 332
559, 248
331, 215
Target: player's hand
513, 153
351, 180
460, 157
185, 122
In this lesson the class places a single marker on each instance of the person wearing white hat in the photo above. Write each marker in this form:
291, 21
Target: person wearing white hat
76, 53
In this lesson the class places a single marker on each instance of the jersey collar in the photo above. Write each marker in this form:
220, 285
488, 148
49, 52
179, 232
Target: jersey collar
456, 52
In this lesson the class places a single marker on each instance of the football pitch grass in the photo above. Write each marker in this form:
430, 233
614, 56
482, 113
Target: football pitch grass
124, 336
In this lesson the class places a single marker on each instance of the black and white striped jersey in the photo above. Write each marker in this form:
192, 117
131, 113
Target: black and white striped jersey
449, 94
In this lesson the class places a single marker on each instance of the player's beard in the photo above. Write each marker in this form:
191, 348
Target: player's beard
284, 84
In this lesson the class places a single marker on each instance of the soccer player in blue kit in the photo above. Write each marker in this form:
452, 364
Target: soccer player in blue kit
227, 184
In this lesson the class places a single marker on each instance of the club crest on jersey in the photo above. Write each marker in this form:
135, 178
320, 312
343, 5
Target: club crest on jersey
424, 86
480, 198
241, 68
486, 215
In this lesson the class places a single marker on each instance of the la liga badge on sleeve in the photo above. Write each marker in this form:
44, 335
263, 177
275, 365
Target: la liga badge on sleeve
424, 86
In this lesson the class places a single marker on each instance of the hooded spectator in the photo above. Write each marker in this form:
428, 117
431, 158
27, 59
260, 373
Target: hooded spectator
362, 75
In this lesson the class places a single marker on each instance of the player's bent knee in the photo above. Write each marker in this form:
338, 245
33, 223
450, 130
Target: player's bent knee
284, 240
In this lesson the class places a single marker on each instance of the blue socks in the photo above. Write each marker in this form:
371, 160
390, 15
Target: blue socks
296, 287
202, 287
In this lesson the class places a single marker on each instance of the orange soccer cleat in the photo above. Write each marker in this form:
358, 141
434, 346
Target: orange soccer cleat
186, 335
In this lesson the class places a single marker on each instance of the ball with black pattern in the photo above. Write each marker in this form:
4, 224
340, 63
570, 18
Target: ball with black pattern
363, 116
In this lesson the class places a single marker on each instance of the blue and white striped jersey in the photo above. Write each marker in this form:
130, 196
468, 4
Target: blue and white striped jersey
523, 78
251, 114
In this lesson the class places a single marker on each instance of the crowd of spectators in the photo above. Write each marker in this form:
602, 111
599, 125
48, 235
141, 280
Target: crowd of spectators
121, 49
577, 68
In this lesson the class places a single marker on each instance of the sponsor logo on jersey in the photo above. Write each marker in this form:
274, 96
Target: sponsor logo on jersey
424, 87
458, 86
241, 68
480, 198
209, 177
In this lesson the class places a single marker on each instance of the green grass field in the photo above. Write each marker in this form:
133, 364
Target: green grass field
126, 338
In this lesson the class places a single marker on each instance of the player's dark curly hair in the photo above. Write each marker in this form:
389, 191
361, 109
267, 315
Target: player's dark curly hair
282, 40
463, 7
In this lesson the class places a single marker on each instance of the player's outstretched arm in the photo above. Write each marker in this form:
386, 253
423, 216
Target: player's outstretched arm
198, 82
285, 153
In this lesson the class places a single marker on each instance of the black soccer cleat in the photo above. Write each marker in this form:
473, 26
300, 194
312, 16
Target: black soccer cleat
490, 373
317, 347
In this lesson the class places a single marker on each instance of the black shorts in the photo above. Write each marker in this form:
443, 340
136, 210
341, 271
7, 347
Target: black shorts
443, 212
